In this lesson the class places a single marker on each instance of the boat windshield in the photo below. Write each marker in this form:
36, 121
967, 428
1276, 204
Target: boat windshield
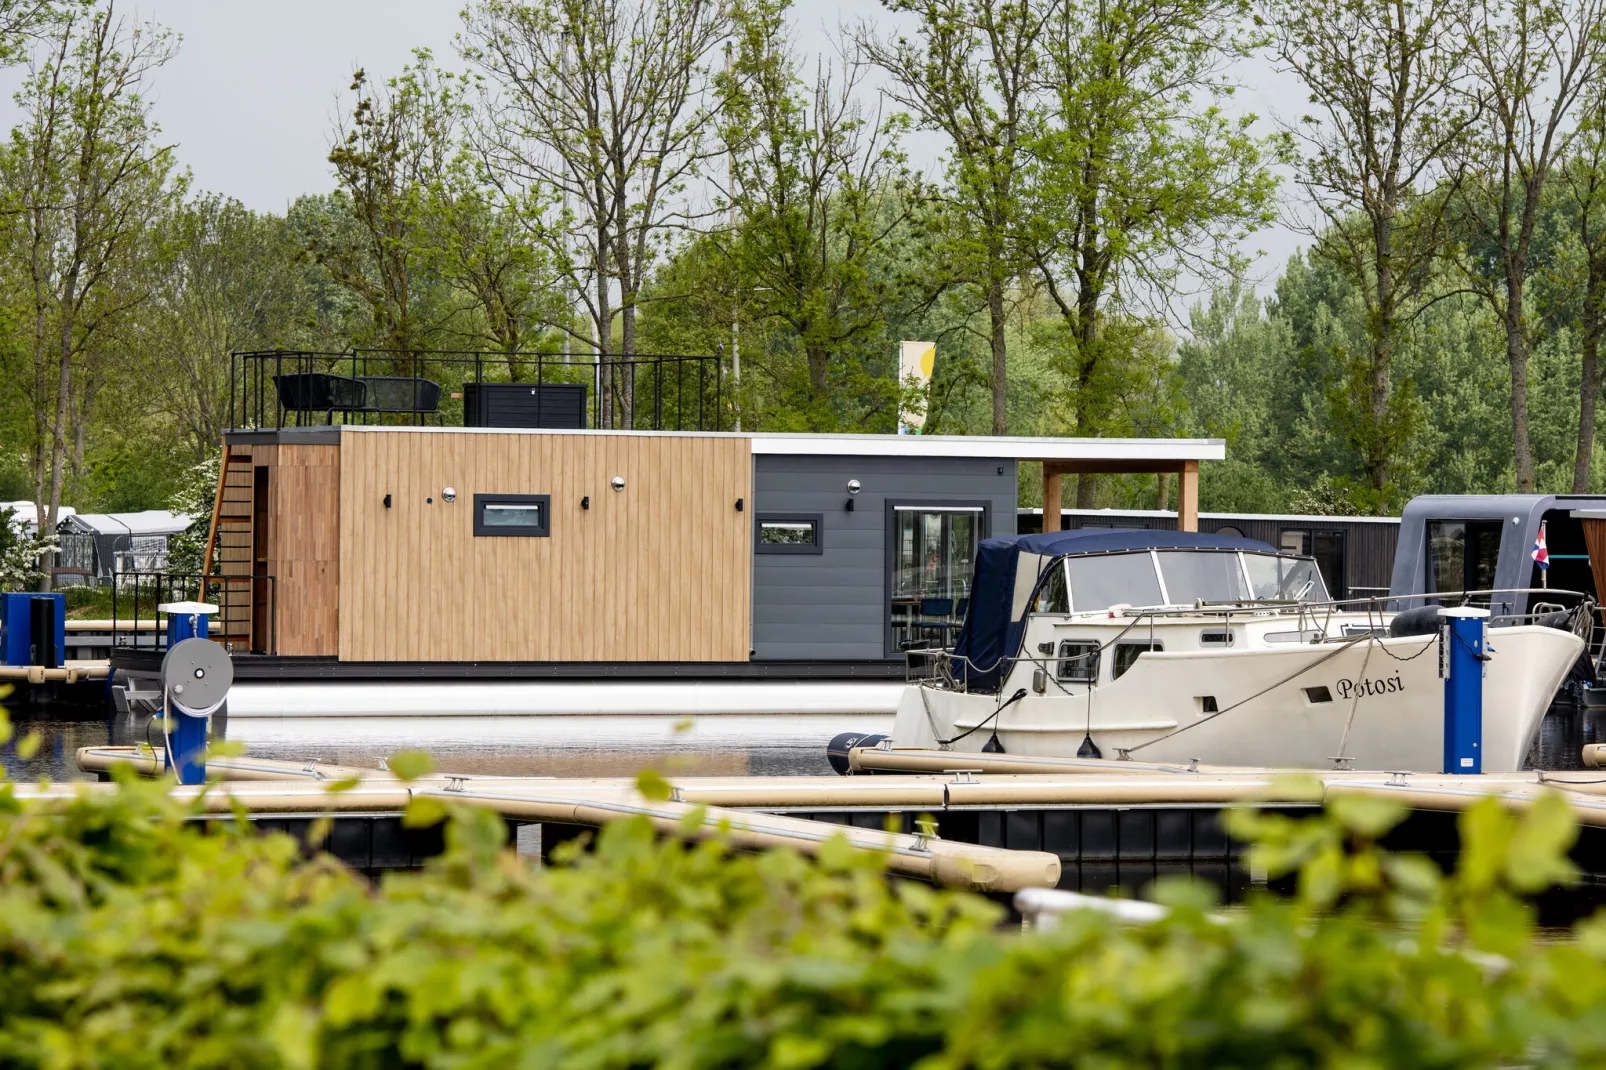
1275, 578
1099, 581
1201, 575
1105, 580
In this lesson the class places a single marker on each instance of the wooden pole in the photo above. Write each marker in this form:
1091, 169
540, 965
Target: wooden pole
1051, 497
1188, 496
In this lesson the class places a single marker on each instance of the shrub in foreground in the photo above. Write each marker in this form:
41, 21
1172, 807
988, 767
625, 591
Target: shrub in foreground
131, 937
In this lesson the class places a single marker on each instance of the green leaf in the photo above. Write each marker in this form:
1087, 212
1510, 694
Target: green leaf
411, 765
653, 787
424, 811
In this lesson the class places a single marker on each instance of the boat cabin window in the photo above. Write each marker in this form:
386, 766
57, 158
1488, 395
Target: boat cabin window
1126, 655
1052, 597
1462, 554
1079, 662
1195, 575
1274, 578
1104, 580
527, 515
933, 560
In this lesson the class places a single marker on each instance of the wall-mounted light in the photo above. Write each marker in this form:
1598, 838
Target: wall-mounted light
854, 486
585, 503
738, 505
387, 501
449, 494
617, 483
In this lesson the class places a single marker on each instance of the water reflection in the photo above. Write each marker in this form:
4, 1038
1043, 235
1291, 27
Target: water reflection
577, 746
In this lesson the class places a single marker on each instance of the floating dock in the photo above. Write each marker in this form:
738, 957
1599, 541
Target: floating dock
992, 823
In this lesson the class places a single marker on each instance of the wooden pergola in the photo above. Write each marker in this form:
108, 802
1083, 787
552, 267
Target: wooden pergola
1186, 470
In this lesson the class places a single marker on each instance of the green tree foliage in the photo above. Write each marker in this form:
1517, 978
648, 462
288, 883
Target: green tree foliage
820, 246
132, 937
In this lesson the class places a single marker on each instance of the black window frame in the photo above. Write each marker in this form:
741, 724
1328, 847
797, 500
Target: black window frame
522, 531
1077, 661
981, 507
816, 520
1127, 654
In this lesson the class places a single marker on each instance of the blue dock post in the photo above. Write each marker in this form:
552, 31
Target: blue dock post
186, 731
1464, 650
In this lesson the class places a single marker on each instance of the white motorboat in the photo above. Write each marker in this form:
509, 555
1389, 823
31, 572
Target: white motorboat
1167, 646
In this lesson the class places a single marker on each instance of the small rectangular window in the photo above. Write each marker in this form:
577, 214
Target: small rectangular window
791, 534
1126, 654
513, 515
1079, 662
1319, 693
1221, 638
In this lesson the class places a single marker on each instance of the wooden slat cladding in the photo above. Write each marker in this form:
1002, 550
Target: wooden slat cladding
657, 572
304, 555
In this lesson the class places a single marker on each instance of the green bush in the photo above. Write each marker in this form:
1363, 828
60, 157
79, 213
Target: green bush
130, 937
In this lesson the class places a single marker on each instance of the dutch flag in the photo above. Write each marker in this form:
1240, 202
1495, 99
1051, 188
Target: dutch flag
1541, 555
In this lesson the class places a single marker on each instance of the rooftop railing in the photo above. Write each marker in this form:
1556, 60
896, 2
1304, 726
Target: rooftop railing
472, 388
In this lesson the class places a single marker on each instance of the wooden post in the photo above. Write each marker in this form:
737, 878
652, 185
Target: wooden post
1051, 497
1188, 496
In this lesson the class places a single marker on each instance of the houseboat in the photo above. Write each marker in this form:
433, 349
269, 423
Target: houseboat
523, 552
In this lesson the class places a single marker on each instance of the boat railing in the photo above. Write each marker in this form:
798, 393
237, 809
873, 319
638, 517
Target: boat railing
954, 671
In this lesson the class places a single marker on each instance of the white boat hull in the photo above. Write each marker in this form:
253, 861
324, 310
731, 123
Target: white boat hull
1384, 707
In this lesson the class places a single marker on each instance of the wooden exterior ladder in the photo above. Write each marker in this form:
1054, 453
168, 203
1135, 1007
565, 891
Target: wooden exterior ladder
228, 547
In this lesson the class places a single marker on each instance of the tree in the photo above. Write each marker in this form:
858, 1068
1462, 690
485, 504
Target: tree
1383, 78
823, 198
1583, 177
603, 104
87, 183
1138, 177
231, 283
399, 137
969, 75
1530, 62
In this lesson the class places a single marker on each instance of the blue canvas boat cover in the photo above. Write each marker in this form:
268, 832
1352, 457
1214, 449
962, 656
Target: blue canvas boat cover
991, 633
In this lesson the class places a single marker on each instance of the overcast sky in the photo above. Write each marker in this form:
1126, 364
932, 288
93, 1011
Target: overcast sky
251, 96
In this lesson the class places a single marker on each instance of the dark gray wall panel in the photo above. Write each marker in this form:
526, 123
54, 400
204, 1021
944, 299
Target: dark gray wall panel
832, 605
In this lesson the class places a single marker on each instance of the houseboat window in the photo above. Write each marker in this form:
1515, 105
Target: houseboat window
1327, 547
526, 515
933, 559
1051, 597
1462, 554
1126, 654
793, 534
1273, 578
1104, 580
1079, 662
1207, 576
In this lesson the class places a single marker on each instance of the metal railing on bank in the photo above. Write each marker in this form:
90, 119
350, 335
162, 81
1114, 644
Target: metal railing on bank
246, 621
640, 392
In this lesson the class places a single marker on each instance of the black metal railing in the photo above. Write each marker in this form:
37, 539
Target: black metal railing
643, 392
246, 621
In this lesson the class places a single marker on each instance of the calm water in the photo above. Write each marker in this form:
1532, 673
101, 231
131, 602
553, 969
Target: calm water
582, 745
578, 746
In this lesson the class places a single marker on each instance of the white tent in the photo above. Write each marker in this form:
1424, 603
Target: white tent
95, 546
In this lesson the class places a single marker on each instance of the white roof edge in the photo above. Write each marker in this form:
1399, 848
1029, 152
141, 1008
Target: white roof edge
1110, 514
1020, 448
990, 446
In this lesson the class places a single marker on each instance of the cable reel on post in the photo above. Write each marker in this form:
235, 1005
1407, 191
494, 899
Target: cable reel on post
196, 677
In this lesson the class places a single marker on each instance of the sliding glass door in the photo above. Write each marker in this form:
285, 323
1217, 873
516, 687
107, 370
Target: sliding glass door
932, 560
